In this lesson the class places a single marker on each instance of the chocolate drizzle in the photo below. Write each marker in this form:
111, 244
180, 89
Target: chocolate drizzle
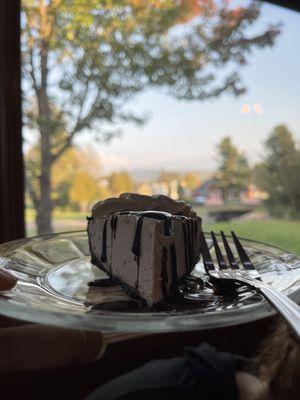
196, 294
93, 257
191, 240
103, 257
136, 247
164, 273
104, 282
186, 250
114, 224
190, 243
174, 290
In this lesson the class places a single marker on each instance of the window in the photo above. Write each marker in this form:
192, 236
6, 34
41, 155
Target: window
186, 100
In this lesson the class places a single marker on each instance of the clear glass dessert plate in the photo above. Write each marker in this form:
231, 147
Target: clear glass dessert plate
56, 285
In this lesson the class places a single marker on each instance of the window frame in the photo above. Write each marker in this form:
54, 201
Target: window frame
12, 224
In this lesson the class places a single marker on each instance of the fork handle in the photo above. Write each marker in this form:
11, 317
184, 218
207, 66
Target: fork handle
288, 309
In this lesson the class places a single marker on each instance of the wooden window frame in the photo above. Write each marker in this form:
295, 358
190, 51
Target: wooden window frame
11, 160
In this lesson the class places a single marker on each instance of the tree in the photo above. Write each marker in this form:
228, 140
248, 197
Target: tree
85, 190
192, 180
168, 176
233, 171
64, 171
120, 182
74, 161
279, 174
91, 161
82, 61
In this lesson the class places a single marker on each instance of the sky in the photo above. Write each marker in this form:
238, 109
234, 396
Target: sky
182, 135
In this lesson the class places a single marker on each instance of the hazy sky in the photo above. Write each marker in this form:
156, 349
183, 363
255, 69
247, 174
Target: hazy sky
182, 135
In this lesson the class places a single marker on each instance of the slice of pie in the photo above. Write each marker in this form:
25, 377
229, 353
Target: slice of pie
147, 243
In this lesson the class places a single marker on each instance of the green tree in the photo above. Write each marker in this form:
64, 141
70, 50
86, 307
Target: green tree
279, 174
120, 182
233, 171
83, 60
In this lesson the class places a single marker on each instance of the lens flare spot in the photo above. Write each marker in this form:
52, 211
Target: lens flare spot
245, 109
258, 108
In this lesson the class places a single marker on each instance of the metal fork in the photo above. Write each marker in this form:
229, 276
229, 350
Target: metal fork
247, 275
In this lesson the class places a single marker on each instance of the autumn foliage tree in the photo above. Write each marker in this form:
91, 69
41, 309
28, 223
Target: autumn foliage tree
120, 182
64, 171
191, 180
77, 177
233, 170
85, 190
83, 60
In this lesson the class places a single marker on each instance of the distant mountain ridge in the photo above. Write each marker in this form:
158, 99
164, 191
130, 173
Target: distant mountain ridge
151, 174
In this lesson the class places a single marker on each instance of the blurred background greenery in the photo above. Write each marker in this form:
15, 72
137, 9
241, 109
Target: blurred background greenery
86, 63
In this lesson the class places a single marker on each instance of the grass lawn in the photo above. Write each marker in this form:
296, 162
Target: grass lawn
284, 234
63, 221
57, 214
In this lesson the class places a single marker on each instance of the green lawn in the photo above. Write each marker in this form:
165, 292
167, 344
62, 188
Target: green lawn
63, 221
57, 214
284, 234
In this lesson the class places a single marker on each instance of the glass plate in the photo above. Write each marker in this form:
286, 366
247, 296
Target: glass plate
57, 286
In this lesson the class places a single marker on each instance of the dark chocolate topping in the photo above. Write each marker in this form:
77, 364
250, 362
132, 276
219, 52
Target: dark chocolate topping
174, 291
136, 247
159, 215
104, 282
104, 244
114, 224
164, 273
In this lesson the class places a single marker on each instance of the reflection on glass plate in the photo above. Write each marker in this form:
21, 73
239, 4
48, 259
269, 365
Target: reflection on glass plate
58, 285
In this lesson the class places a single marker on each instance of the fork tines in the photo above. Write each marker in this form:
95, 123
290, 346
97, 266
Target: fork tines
242, 252
207, 260
221, 261
224, 280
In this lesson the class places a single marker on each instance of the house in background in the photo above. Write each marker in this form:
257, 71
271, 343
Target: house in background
253, 196
210, 194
